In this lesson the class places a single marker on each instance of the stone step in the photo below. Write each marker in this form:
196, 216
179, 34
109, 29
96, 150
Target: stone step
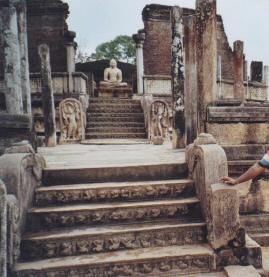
237, 270
111, 192
112, 124
107, 119
237, 168
150, 262
113, 130
113, 213
261, 238
109, 101
81, 241
116, 135
114, 105
255, 223
115, 109
114, 173
130, 115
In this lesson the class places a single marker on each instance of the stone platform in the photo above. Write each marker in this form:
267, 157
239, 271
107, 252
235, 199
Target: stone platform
117, 92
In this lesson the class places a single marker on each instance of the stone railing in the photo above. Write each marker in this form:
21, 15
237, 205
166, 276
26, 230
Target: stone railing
20, 174
254, 91
207, 163
62, 82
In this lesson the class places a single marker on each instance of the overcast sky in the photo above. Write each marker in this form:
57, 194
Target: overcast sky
98, 21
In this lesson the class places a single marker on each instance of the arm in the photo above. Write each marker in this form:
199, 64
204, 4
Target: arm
252, 173
256, 170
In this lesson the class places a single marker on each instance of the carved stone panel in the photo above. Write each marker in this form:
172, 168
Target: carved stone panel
159, 121
71, 121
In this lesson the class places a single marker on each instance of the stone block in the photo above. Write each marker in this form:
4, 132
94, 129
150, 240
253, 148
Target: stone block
225, 214
239, 133
246, 271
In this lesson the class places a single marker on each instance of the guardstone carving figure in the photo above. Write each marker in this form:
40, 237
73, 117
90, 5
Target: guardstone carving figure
71, 121
159, 121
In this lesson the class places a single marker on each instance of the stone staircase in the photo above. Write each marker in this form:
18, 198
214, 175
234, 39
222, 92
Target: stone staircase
115, 119
91, 222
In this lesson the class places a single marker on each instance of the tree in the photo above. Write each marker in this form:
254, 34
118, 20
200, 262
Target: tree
122, 48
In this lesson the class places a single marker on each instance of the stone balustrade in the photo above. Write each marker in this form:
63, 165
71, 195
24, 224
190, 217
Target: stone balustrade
60, 83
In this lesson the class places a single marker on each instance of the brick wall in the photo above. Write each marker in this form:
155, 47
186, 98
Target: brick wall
46, 20
157, 46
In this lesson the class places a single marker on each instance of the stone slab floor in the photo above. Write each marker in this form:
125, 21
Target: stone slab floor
103, 155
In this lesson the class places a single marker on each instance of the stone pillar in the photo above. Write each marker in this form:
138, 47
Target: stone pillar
12, 63
266, 79
206, 56
238, 59
178, 78
71, 53
47, 97
23, 41
139, 41
191, 92
3, 230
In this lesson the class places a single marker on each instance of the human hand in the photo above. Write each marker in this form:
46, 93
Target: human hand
228, 180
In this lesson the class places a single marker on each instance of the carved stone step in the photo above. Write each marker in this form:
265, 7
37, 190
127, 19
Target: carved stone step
150, 262
96, 214
112, 130
116, 135
113, 124
81, 241
114, 173
111, 192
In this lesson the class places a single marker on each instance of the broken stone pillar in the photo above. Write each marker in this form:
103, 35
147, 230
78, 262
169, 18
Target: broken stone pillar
207, 163
191, 92
266, 79
139, 39
23, 41
12, 63
238, 58
3, 230
256, 69
178, 78
206, 34
47, 97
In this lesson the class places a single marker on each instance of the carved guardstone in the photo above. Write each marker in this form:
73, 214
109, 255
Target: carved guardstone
71, 121
3, 230
207, 163
159, 122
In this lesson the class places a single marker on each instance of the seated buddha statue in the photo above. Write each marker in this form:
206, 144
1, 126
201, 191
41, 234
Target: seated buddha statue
113, 76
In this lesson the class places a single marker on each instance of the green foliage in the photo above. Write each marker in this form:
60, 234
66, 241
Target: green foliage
122, 48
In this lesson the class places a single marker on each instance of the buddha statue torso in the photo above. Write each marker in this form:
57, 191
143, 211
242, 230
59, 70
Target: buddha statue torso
113, 76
